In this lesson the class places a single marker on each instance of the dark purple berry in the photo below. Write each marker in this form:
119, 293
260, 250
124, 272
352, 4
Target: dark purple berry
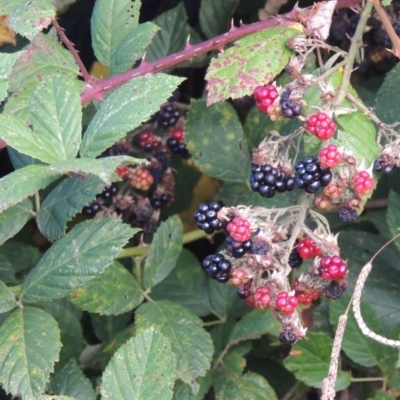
206, 217
347, 213
168, 115
217, 267
310, 176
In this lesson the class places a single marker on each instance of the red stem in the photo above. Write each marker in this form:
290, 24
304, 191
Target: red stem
97, 90
71, 48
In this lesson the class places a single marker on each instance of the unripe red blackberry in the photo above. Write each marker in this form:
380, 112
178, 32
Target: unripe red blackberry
286, 303
123, 172
329, 157
308, 249
239, 229
321, 126
362, 183
148, 142
262, 297
142, 179
332, 268
265, 97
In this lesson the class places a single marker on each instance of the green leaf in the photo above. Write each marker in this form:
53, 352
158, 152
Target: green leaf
7, 298
254, 60
65, 201
172, 36
253, 325
143, 368
358, 347
164, 251
104, 168
106, 327
6, 63
71, 381
215, 16
68, 318
186, 285
13, 219
75, 259
28, 18
23, 183
358, 134
311, 362
380, 394
392, 216
56, 115
113, 292
125, 109
214, 137
387, 100
42, 57
20, 160
249, 386
7, 274
21, 255
191, 344
111, 23
30, 344
53, 397
182, 391
133, 47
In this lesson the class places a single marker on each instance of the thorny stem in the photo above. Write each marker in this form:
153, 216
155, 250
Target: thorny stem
388, 26
86, 76
140, 251
354, 47
97, 90
362, 107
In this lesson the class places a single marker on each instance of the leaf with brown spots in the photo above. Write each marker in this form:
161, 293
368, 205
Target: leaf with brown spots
254, 60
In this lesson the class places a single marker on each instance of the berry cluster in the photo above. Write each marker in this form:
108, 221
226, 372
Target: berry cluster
237, 249
168, 115
217, 267
206, 217
332, 268
381, 166
148, 142
308, 249
321, 126
362, 183
91, 209
290, 108
310, 175
329, 157
142, 179
286, 303
239, 229
265, 179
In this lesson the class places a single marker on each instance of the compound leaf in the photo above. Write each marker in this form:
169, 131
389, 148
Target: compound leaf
215, 138
56, 115
23, 183
65, 201
7, 298
215, 16
70, 381
143, 368
125, 109
172, 36
253, 61
311, 362
191, 344
164, 251
75, 259
30, 345
113, 292
13, 219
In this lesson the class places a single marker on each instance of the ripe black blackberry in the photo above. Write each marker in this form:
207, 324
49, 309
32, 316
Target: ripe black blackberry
310, 176
157, 201
266, 179
347, 213
237, 249
163, 158
384, 169
109, 191
295, 260
217, 267
206, 217
91, 209
335, 290
178, 148
290, 108
288, 337
168, 115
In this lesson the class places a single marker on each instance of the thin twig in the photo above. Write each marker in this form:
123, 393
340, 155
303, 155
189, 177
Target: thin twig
86, 76
354, 47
